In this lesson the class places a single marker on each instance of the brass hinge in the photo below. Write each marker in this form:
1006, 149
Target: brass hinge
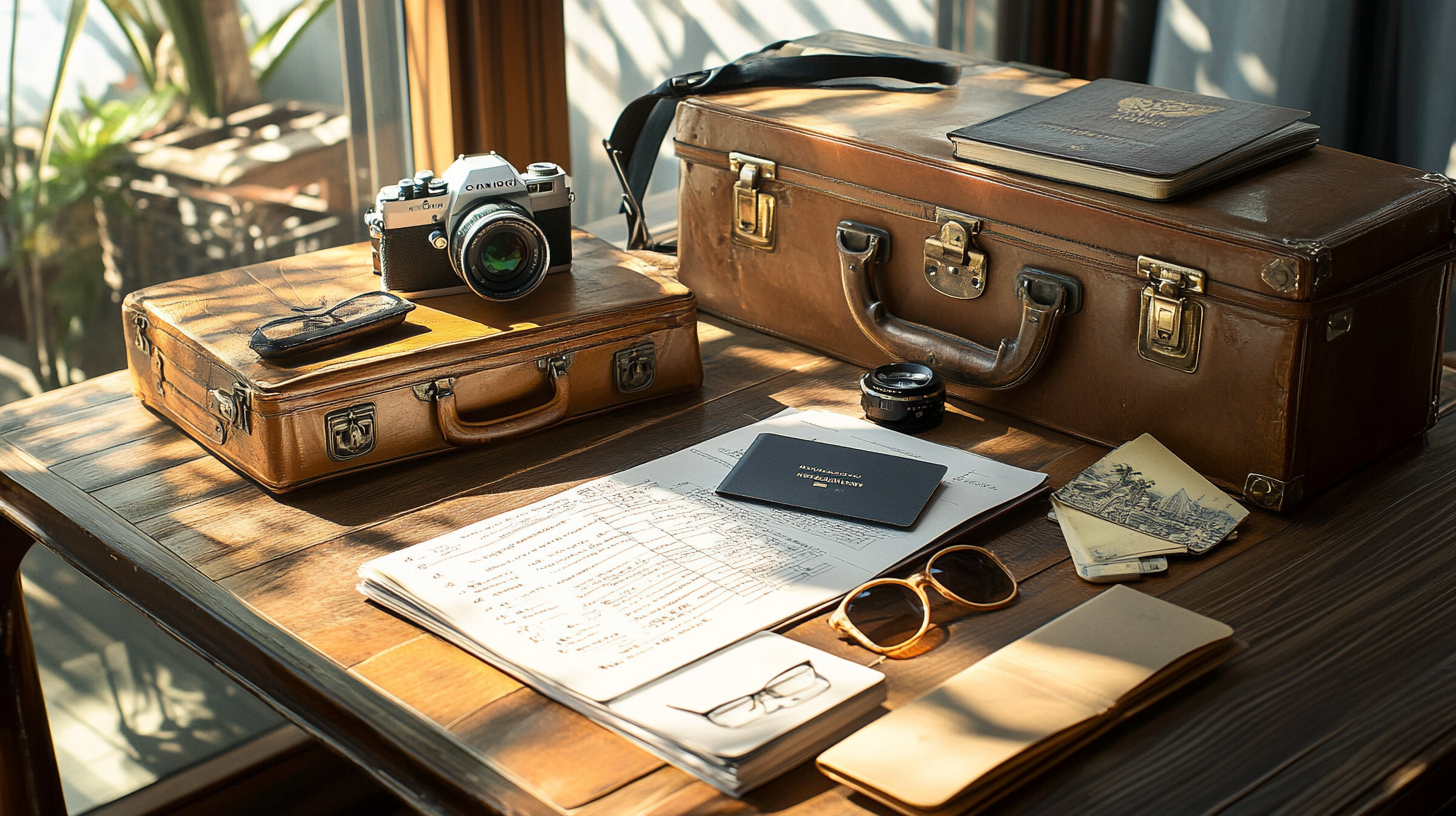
1170, 325
753, 210
954, 266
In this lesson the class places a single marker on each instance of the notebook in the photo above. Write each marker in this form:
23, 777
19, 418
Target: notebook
1024, 707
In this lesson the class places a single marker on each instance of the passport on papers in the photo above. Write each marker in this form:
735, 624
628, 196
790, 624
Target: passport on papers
1135, 139
833, 479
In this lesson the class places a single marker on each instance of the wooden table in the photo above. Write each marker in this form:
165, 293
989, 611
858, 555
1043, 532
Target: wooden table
1344, 700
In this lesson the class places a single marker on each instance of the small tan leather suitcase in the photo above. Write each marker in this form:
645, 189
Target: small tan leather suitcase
1276, 332
458, 371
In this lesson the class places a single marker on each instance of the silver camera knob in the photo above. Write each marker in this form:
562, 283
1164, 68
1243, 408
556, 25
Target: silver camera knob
542, 169
438, 240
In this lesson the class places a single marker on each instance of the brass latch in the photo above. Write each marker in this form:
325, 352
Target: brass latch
636, 367
954, 266
142, 341
1171, 325
350, 432
753, 209
233, 406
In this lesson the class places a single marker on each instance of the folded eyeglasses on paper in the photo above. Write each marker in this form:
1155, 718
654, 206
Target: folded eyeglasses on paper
890, 615
786, 689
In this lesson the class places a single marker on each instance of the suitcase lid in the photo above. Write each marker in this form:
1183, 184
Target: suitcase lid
1304, 228
214, 316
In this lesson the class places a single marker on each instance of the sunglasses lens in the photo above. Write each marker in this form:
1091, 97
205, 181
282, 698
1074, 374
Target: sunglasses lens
973, 575
889, 615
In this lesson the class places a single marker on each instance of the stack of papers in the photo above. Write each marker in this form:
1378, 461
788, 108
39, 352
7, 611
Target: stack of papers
1139, 504
597, 592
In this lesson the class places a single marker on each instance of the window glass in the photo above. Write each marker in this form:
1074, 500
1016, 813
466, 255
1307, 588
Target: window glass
617, 51
148, 178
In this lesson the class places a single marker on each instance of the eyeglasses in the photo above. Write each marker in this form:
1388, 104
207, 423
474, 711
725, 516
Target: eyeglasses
786, 689
888, 615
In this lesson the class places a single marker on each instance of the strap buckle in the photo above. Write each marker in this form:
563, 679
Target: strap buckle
684, 84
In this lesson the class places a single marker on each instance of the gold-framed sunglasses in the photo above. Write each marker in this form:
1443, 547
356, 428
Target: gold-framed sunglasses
889, 615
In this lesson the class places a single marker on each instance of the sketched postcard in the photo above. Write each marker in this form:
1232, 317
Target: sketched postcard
1144, 487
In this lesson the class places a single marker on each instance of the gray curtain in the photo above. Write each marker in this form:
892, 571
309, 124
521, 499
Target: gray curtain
1376, 75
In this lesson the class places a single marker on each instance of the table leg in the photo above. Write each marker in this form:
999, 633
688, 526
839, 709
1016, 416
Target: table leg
29, 782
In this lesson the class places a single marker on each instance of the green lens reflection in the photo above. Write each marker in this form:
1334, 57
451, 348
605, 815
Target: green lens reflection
501, 255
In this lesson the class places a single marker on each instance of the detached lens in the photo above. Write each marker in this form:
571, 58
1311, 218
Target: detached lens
973, 576
907, 397
890, 615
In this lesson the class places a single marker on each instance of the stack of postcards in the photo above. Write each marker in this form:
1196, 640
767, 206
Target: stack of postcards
1139, 504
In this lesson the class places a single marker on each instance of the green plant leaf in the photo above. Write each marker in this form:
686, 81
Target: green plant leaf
12, 153
184, 19
268, 51
75, 18
129, 120
141, 33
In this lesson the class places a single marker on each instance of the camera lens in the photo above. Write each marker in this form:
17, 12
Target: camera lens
907, 397
501, 255
499, 251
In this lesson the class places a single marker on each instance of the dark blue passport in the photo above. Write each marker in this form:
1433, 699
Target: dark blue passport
832, 479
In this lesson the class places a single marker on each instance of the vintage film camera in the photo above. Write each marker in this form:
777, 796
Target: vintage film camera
480, 227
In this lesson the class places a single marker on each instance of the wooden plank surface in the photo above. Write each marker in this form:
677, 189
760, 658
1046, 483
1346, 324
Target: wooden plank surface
1347, 606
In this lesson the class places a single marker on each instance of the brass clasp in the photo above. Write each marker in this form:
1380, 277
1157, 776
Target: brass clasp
1170, 326
636, 367
753, 210
954, 266
232, 409
142, 341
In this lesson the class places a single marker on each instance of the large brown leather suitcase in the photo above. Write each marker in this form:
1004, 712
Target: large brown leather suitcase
1276, 332
459, 371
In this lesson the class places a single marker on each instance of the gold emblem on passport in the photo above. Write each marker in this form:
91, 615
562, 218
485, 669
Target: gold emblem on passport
350, 431
1160, 113
1163, 107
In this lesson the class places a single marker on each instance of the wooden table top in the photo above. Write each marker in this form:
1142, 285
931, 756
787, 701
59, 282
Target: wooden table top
1344, 698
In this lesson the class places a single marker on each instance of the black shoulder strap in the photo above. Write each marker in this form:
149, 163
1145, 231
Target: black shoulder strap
633, 145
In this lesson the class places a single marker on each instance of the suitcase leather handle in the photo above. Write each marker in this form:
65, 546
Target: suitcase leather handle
460, 433
1044, 300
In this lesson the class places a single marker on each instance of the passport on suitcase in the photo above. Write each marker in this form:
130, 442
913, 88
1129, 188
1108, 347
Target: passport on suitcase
459, 370
1276, 331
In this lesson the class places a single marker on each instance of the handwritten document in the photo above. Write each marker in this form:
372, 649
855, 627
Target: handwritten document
619, 581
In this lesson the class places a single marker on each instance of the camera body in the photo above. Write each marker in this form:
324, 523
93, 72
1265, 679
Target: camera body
482, 227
